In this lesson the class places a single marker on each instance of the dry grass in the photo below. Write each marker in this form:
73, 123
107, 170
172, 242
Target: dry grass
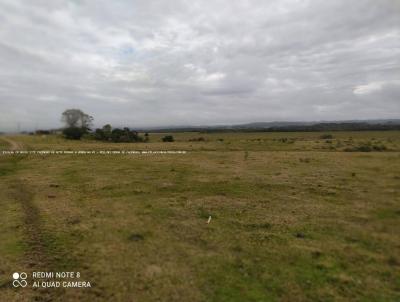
290, 221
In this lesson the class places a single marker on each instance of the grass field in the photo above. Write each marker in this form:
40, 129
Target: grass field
295, 217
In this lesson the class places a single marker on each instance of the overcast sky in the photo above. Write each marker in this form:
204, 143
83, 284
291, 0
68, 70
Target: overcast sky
157, 63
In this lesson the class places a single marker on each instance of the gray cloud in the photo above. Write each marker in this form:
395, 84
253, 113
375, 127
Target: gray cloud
152, 63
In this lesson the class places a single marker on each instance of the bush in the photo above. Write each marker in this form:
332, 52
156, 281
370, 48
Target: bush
74, 132
168, 138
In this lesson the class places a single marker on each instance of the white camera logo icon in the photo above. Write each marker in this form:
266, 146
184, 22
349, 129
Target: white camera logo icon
20, 279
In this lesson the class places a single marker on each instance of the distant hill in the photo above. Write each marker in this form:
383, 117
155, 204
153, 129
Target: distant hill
349, 125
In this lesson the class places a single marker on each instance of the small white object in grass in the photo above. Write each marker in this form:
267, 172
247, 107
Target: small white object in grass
209, 220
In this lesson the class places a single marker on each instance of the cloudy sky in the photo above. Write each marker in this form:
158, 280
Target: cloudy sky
157, 63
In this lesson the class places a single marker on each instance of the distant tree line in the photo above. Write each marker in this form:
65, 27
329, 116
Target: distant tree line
319, 127
335, 127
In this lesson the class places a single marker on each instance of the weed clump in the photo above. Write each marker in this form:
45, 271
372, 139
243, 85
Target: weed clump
136, 237
368, 147
300, 235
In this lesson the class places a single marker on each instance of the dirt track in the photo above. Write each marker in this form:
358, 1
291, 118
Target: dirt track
13, 144
38, 257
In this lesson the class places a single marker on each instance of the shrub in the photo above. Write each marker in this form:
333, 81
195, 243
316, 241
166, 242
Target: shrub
168, 138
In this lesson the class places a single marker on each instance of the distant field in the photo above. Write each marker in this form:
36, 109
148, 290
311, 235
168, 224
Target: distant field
295, 217
259, 141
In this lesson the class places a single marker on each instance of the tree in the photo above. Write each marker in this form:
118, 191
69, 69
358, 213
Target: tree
118, 135
77, 123
107, 131
76, 118
99, 134
74, 132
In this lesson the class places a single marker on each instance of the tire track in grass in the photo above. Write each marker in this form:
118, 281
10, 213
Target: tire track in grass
44, 251
38, 256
